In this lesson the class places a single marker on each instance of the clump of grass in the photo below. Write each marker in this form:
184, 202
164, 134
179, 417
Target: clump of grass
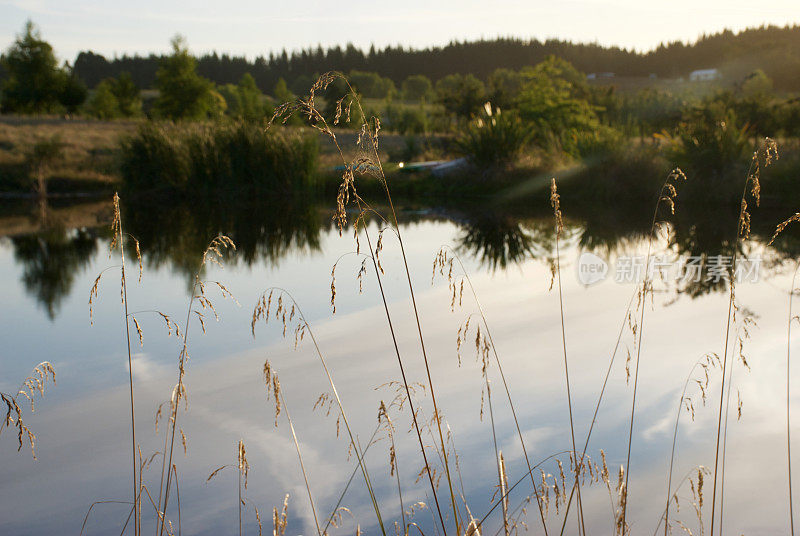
289, 312
494, 141
445, 258
221, 159
686, 403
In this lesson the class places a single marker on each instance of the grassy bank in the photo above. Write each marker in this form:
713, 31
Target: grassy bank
90, 157
103, 156
87, 160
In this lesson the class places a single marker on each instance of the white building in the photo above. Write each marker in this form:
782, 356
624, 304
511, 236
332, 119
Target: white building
704, 75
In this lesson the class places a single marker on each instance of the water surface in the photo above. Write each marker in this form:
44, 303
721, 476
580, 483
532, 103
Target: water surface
49, 260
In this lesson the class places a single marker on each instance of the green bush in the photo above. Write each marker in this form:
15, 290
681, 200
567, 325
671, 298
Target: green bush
224, 159
417, 87
103, 104
711, 141
154, 158
406, 120
493, 141
182, 93
599, 142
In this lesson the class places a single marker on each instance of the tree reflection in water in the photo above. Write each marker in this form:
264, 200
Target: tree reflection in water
174, 235
51, 259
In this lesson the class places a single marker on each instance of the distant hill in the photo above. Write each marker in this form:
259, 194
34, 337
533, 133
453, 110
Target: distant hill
776, 50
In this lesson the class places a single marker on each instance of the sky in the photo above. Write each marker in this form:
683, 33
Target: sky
255, 27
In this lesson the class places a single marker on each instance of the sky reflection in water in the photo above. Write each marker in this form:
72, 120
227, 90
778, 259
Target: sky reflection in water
83, 429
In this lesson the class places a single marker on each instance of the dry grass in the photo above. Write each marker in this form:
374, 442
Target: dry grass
32, 387
89, 149
763, 157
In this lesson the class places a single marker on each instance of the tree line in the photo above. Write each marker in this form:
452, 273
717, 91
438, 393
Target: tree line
775, 50
551, 98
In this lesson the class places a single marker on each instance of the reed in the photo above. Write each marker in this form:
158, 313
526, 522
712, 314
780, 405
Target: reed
368, 162
213, 254
231, 159
117, 241
791, 318
32, 387
667, 194
559, 223
768, 152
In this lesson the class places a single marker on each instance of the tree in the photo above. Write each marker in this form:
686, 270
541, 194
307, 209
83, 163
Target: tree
756, 85
233, 102
251, 99
302, 84
462, 96
244, 100
116, 97
372, 85
126, 93
103, 104
504, 87
281, 92
417, 87
551, 102
34, 82
92, 68
73, 93
183, 94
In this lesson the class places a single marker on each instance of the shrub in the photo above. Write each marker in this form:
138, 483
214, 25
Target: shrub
183, 94
493, 141
417, 87
601, 141
103, 104
406, 119
230, 159
710, 141
154, 158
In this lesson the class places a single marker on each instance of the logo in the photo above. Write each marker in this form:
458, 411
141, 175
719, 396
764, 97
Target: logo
591, 268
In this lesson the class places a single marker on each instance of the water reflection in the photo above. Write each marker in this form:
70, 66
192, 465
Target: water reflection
177, 233
226, 381
174, 234
498, 240
51, 259
51, 246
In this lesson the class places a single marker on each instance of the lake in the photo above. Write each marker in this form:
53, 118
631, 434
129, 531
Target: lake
50, 257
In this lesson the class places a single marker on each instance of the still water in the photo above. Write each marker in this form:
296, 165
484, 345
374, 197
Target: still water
49, 260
